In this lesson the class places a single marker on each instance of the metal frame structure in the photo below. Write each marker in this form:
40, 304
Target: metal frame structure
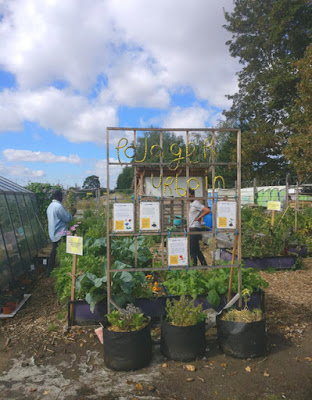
21, 231
161, 165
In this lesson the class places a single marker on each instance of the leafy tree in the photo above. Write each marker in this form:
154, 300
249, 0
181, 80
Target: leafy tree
298, 150
125, 178
268, 36
91, 182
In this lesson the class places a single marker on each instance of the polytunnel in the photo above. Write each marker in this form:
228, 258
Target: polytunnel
21, 231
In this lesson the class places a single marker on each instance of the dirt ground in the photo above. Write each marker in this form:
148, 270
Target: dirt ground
40, 360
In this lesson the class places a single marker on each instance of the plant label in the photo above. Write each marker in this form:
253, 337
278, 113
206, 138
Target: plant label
274, 205
74, 245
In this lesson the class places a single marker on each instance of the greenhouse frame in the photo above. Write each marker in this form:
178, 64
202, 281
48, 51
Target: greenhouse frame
21, 231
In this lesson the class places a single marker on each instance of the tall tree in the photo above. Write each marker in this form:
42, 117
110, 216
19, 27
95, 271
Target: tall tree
299, 148
268, 36
91, 182
125, 178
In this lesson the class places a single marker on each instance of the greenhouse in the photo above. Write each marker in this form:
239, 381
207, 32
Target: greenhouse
21, 232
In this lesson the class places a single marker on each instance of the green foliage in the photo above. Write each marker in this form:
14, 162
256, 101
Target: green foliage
268, 37
44, 197
91, 182
212, 283
128, 320
125, 178
183, 312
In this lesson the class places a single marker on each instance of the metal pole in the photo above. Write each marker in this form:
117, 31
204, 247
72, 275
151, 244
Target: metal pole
239, 222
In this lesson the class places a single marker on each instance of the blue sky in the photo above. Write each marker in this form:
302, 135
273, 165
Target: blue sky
70, 69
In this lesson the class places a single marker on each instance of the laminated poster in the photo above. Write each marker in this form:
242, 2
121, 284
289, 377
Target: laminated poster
226, 214
74, 245
123, 217
149, 216
177, 251
274, 205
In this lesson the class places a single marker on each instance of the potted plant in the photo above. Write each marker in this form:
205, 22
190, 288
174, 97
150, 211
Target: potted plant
183, 330
241, 333
127, 339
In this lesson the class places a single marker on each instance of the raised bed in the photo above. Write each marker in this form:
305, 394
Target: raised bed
83, 314
278, 262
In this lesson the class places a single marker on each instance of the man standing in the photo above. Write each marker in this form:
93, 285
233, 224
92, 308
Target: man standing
197, 211
58, 219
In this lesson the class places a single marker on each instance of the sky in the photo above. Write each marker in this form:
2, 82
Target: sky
69, 69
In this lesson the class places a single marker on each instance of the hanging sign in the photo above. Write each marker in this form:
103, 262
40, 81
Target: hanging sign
274, 205
177, 251
123, 217
149, 216
74, 245
226, 215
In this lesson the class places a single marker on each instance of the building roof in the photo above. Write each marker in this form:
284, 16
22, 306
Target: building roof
8, 186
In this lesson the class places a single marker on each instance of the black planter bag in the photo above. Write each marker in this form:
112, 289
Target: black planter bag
127, 351
182, 343
241, 340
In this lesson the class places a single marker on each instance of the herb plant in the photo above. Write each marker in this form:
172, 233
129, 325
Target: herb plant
183, 312
127, 320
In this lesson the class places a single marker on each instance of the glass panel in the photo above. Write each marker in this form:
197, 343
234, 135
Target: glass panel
19, 230
10, 239
33, 221
26, 223
5, 272
43, 238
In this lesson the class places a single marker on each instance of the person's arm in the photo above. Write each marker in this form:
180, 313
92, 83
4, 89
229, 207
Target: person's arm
204, 212
64, 215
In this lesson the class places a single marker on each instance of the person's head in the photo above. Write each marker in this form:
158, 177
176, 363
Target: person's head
57, 195
191, 192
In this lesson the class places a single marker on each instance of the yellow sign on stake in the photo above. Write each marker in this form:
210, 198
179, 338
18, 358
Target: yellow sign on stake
274, 205
74, 245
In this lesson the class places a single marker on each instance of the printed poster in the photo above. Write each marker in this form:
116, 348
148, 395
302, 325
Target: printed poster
74, 245
123, 217
177, 251
149, 216
274, 205
226, 215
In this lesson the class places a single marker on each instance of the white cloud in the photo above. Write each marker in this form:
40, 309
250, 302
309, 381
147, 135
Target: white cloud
101, 171
193, 117
39, 156
67, 114
19, 171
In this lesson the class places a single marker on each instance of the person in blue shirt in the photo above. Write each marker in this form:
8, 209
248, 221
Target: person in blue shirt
58, 219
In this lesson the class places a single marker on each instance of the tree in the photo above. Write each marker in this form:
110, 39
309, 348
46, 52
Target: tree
125, 178
268, 37
299, 147
91, 182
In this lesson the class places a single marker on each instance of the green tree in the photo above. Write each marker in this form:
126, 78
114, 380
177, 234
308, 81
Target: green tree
91, 182
298, 150
268, 36
125, 178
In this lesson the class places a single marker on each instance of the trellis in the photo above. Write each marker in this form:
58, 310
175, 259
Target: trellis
187, 168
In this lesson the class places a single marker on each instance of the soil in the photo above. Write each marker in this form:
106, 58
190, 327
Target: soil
41, 360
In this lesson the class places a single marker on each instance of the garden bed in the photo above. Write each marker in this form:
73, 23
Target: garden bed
277, 262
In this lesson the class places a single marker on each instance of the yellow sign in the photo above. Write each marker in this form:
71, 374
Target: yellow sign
222, 222
174, 260
274, 205
146, 223
119, 225
74, 245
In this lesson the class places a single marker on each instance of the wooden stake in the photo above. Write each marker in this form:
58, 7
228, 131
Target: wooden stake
72, 295
272, 219
232, 268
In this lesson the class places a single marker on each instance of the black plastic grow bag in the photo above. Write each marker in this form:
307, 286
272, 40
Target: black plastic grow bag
127, 351
278, 262
241, 340
182, 343
154, 308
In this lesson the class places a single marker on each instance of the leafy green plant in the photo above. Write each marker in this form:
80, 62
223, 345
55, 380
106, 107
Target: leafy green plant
213, 283
183, 312
245, 315
127, 320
